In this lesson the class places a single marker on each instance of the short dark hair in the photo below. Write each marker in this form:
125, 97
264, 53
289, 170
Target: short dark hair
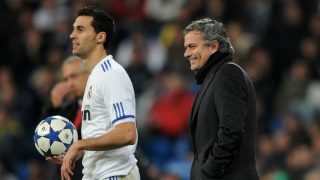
102, 22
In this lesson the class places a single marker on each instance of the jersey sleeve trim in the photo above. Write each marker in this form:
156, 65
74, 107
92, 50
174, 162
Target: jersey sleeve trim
120, 112
122, 117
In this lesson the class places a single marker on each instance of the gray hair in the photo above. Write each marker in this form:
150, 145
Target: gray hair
211, 30
73, 58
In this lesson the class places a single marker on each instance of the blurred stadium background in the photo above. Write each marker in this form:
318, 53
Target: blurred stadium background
276, 41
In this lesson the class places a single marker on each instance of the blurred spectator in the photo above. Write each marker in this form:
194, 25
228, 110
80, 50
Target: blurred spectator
54, 59
33, 46
48, 14
11, 96
129, 14
216, 9
139, 47
61, 36
41, 81
293, 87
284, 34
241, 41
310, 48
298, 162
66, 95
259, 12
258, 66
169, 112
170, 37
190, 10
66, 98
163, 10
127, 11
132, 54
166, 126
314, 25
265, 153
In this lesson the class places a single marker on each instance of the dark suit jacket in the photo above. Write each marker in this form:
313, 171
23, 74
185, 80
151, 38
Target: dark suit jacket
223, 125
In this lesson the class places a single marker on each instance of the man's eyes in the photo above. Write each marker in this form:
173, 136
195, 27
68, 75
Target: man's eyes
189, 46
71, 76
78, 29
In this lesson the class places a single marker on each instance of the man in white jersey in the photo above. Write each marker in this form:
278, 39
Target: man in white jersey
109, 135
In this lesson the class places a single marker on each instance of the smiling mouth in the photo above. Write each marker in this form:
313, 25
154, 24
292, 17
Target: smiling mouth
75, 45
192, 61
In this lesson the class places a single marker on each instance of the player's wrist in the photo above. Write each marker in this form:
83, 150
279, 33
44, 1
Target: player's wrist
77, 145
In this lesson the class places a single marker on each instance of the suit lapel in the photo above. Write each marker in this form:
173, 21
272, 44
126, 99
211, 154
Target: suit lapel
200, 95
207, 81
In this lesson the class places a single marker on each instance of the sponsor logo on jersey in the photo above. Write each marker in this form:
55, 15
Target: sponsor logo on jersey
86, 114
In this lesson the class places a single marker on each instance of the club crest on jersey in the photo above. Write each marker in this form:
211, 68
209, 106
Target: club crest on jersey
89, 93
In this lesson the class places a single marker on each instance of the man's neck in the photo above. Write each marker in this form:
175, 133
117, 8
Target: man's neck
94, 58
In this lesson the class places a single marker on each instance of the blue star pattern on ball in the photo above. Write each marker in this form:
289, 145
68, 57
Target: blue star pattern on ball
54, 136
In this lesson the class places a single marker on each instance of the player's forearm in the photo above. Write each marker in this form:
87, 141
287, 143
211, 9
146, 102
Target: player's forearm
122, 135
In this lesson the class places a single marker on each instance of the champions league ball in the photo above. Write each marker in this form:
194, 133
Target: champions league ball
54, 136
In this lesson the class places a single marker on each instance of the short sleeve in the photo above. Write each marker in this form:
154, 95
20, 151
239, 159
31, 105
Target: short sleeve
120, 98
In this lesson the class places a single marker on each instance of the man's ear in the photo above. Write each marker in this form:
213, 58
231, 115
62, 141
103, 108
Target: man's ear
101, 37
214, 46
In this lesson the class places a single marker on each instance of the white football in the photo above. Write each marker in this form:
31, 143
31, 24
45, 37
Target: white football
54, 136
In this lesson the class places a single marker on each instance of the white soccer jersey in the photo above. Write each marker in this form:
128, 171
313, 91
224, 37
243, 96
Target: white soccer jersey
108, 100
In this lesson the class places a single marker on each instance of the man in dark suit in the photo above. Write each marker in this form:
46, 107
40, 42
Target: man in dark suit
223, 117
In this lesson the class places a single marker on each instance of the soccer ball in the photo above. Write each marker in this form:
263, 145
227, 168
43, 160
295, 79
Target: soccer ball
54, 136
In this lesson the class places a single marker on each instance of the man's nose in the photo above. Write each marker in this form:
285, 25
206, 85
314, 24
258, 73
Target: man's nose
72, 35
186, 53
